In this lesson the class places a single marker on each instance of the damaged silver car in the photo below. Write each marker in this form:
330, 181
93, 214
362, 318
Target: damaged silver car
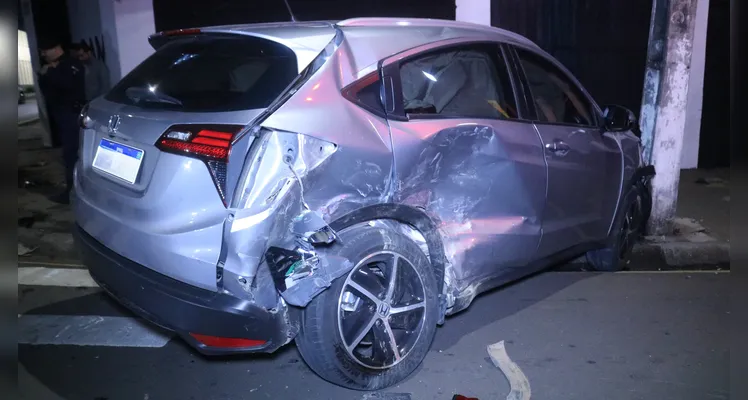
346, 185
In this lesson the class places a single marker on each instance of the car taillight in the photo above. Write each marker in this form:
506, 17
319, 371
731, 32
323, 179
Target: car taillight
83, 120
177, 32
228, 343
209, 143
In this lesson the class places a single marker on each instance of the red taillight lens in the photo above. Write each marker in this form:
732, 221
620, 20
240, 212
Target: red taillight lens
177, 32
224, 342
210, 143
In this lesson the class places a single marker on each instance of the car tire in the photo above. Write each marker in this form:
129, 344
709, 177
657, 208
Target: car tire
347, 341
628, 229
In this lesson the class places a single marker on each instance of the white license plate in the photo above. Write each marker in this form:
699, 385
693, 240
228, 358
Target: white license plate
118, 160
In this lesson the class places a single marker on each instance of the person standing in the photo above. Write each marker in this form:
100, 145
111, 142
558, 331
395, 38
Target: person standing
61, 81
97, 73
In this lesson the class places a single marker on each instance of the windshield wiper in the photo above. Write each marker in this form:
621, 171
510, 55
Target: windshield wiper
138, 94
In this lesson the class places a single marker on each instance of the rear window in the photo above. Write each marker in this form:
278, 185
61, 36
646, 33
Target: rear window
209, 74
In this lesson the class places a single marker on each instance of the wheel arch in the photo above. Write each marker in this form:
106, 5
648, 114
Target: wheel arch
408, 215
641, 176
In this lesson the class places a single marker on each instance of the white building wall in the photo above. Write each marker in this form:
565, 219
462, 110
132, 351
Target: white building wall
475, 11
25, 70
117, 31
690, 152
135, 23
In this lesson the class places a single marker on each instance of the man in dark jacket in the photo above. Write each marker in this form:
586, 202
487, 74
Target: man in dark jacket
61, 80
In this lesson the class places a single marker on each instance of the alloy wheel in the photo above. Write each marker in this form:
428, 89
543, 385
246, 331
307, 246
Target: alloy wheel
381, 310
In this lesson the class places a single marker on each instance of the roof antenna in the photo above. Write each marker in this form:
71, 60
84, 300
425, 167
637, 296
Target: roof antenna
293, 19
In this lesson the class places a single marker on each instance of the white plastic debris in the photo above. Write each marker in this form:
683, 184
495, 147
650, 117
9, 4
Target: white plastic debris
520, 386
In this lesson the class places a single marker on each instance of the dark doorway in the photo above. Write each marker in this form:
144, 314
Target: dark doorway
51, 23
714, 139
603, 43
175, 14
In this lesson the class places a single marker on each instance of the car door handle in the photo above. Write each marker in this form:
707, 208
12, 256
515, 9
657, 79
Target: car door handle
558, 147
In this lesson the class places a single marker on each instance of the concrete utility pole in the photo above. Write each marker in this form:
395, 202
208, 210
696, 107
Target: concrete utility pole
670, 111
653, 71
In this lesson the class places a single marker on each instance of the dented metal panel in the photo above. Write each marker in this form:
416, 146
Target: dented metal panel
484, 180
483, 183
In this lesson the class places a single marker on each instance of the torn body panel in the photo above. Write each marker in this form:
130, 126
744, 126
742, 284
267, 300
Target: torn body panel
459, 172
298, 177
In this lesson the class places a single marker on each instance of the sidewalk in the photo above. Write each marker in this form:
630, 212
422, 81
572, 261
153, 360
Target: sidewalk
44, 227
702, 228
704, 195
29, 111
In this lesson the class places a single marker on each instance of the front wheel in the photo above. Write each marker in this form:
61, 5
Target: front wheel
373, 327
626, 232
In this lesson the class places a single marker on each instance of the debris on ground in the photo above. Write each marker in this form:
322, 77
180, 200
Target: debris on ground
518, 383
24, 251
686, 226
712, 181
26, 222
461, 397
62, 242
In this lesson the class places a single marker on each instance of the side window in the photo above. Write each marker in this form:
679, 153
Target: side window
459, 82
557, 99
366, 93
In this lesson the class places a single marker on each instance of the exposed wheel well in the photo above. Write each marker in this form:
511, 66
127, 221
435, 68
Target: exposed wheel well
408, 215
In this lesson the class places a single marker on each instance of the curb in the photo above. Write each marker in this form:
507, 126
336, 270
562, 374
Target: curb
684, 254
28, 121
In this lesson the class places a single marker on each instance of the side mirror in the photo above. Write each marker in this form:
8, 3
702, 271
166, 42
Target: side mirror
620, 119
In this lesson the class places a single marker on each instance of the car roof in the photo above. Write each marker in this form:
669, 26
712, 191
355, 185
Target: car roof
297, 30
370, 39
416, 24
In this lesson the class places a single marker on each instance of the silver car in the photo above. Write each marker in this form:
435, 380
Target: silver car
346, 185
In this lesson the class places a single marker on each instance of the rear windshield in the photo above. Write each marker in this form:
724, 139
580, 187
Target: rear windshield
209, 74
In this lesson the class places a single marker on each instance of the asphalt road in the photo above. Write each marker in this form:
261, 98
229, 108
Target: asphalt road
575, 335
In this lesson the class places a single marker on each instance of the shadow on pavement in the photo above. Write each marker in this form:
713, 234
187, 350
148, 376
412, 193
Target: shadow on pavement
503, 302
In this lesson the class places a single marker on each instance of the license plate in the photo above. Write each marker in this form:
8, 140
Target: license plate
118, 160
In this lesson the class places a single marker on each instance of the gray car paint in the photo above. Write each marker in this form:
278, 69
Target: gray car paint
318, 152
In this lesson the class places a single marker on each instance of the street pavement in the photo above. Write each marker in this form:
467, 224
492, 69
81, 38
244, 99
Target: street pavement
28, 111
575, 335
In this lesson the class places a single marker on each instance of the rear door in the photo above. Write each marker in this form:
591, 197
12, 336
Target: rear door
577, 209
158, 151
464, 153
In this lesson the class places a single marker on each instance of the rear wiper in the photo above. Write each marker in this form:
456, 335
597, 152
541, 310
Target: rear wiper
138, 94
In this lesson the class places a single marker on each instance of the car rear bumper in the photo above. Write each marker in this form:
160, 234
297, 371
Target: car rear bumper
183, 308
